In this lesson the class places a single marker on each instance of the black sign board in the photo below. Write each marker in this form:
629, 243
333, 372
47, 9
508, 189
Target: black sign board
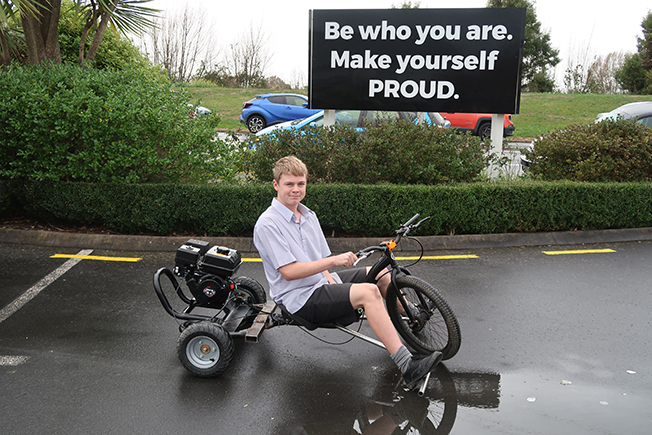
448, 60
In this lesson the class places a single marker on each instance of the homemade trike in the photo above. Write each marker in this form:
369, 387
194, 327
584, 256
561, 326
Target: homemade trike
237, 306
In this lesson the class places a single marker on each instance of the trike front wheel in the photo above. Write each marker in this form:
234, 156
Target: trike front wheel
436, 327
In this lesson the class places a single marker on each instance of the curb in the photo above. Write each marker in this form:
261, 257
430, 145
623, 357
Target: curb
245, 244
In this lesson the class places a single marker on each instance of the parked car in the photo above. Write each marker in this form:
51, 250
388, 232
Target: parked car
357, 119
478, 124
270, 109
640, 111
197, 111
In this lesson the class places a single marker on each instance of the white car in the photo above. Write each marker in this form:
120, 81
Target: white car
641, 112
356, 119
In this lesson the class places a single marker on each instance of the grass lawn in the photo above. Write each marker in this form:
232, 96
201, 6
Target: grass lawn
540, 113
543, 113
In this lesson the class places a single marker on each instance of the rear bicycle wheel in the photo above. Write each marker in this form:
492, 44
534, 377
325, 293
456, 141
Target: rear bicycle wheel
436, 327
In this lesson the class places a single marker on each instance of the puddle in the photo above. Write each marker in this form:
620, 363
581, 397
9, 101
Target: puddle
489, 403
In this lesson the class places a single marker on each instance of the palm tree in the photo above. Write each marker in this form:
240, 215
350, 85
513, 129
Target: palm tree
40, 20
123, 16
10, 29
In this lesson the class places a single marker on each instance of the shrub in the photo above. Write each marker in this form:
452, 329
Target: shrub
222, 209
396, 152
611, 150
65, 122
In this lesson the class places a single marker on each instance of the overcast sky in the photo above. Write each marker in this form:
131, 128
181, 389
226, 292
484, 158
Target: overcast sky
576, 26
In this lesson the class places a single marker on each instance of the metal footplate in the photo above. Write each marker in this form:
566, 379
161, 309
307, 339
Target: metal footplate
255, 331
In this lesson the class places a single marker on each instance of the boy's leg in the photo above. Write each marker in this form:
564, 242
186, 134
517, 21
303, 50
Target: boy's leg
368, 296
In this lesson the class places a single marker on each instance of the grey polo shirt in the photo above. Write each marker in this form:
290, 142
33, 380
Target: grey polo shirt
281, 240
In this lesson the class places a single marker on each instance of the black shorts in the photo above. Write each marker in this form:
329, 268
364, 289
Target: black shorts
331, 303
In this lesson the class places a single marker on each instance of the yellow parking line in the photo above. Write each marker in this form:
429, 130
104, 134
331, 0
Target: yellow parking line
439, 257
96, 257
579, 251
252, 260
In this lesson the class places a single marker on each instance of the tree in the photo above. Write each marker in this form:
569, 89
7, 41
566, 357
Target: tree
10, 31
601, 74
41, 30
247, 59
644, 44
113, 52
538, 54
179, 43
635, 75
39, 20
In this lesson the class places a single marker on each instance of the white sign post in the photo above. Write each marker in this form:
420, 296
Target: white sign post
497, 121
329, 117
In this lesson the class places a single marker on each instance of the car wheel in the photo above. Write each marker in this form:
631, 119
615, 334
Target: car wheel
255, 123
485, 130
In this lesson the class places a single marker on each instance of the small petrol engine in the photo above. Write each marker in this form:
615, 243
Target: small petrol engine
206, 270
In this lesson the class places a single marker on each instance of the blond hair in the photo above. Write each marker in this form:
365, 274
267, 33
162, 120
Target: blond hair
289, 165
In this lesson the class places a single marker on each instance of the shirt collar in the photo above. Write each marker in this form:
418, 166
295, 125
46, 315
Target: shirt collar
287, 213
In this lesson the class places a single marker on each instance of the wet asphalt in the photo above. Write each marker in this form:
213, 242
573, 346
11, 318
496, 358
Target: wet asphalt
551, 344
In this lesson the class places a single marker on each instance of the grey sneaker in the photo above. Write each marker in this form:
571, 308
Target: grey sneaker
419, 367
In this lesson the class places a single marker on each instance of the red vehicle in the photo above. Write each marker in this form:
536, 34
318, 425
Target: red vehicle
478, 124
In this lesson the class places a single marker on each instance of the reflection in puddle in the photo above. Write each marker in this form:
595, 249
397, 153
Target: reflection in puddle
392, 410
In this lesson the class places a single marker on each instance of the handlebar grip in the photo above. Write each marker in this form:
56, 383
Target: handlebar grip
415, 217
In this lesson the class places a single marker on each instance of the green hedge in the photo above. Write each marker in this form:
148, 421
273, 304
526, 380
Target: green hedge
345, 209
64, 122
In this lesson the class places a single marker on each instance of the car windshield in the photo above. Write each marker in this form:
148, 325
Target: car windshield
613, 115
342, 117
436, 118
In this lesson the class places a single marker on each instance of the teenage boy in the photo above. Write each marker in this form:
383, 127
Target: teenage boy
296, 259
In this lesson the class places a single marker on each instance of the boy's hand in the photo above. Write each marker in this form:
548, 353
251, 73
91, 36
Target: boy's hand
346, 259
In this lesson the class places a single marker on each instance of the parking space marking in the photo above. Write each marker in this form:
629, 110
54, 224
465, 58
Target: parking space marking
579, 251
12, 361
97, 257
31, 293
439, 257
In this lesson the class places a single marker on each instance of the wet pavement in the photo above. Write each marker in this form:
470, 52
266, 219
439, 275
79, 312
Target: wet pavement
552, 343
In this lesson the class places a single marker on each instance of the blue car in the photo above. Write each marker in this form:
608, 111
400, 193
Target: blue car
357, 119
270, 109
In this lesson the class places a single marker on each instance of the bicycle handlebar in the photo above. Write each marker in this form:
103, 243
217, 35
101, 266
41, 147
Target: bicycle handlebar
402, 231
407, 224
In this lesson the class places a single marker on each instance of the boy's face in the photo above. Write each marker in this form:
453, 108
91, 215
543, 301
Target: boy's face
291, 190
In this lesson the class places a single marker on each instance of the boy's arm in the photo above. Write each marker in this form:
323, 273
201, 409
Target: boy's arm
298, 270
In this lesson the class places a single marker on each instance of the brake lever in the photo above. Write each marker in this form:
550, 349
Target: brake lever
361, 257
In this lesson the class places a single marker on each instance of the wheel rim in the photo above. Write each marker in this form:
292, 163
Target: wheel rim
203, 352
255, 124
